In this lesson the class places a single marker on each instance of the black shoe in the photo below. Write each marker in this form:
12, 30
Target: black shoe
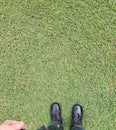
56, 113
77, 114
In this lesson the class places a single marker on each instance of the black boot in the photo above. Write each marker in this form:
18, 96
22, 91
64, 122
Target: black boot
56, 119
77, 114
56, 113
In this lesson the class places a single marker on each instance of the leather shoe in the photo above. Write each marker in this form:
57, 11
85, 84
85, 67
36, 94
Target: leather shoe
56, 113
77, 114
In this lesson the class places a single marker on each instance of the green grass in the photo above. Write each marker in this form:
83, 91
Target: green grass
62, 51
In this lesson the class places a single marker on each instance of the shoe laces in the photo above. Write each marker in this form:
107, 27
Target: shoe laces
77, 119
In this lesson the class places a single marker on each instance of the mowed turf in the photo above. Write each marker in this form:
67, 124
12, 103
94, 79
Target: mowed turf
58, 50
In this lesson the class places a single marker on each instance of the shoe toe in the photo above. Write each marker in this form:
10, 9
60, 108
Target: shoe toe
78, 109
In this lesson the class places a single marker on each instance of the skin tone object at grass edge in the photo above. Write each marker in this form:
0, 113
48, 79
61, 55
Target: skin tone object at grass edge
12, 125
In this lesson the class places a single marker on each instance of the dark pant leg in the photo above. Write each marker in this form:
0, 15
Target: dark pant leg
55, 126
52, 126
77, 128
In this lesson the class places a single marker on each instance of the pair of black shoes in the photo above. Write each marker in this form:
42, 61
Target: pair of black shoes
77, 114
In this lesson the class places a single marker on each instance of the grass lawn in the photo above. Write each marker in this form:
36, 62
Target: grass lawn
58, 50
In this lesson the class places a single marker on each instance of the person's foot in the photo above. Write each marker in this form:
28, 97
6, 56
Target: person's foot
56, 113
77, 114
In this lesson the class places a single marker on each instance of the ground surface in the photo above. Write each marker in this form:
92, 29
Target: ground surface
58, 51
